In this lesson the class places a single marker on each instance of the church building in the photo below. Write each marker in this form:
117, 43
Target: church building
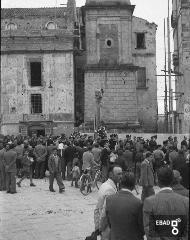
54, 60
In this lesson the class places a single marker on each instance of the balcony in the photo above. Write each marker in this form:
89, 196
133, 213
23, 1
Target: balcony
174, 19
35, 117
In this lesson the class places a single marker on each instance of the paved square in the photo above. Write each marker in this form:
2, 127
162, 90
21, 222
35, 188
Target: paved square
35, 213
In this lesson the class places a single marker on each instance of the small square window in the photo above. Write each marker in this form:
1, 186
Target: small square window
36, 103
36, 74
140, 41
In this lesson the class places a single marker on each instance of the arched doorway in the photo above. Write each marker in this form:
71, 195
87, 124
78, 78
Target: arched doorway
36, 129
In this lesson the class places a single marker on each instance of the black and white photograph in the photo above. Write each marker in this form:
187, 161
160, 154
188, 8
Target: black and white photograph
94, 119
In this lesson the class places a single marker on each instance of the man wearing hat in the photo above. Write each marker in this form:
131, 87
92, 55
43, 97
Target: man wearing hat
147, 176
54, 165
177, 187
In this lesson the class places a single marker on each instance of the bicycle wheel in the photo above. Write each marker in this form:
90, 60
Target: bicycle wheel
98, 179
85, 187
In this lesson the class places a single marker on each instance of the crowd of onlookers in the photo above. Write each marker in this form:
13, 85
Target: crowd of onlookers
123, 163
82, 151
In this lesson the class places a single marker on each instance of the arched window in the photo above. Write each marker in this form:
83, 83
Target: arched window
51, 25
11, 26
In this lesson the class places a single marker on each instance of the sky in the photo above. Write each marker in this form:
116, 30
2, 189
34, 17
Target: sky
151, 10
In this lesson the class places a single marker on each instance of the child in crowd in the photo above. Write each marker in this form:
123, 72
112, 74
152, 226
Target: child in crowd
27, 169
75, 174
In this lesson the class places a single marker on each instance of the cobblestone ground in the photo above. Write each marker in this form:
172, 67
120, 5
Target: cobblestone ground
34, 213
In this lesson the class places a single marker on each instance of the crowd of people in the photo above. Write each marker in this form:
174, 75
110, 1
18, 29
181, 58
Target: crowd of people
123, 164
33, 156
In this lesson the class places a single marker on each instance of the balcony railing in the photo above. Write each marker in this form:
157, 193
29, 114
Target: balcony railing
35, 117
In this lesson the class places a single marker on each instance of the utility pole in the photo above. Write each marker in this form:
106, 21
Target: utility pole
169, 73
166, 89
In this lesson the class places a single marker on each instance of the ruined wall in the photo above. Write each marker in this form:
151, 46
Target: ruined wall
57, 102
146, 97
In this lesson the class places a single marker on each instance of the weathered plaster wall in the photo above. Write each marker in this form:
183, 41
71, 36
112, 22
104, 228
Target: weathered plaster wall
181, 38
16, 90
119, 103
32, 41
146, 97
122, 101
114, 24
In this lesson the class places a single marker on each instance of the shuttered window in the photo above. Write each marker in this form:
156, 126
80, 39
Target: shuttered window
141, 78
36, 74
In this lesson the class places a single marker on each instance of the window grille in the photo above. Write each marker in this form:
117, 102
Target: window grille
36, 103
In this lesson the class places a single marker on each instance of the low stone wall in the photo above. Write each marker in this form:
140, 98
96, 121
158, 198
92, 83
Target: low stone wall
160, 137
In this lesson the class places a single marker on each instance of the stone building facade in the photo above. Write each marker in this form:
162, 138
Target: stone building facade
181, 62
37, 71
120, 60
49, 75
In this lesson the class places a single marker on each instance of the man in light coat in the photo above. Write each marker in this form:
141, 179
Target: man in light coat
107, 188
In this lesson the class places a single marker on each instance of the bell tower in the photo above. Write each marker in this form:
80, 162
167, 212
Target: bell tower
109, 64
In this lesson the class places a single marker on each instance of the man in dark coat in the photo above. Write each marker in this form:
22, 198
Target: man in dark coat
10, 168
123, 212
69, 156
2, 169
54, 165
128, 156
164, 203
104, 161
147, 176
177, 187
40, 153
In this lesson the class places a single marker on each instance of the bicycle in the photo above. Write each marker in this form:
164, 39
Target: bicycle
88, 182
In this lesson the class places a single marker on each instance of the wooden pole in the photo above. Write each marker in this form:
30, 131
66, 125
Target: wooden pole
169, 72
166, 94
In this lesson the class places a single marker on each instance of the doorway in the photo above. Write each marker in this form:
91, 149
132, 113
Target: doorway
38, 130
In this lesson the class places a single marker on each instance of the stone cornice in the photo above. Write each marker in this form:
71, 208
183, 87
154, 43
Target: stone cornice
109, 6
97, 67
17, 51
143, 54
37, 33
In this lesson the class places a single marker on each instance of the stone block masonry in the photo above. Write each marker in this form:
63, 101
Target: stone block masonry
119, 98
